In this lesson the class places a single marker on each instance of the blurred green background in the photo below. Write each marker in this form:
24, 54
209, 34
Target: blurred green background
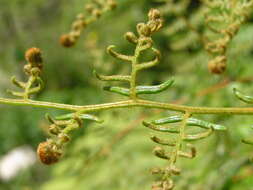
127, 156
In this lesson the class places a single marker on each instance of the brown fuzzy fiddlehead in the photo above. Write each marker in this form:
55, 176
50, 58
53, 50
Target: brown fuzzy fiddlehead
170, 150
50, 152
33, 70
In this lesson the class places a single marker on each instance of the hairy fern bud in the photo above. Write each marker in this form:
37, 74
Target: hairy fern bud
33, 56
143, 29
217, 65
154, 14
66, 40
48, 153
97, 13
112, 4
131, 37
89, 8
34, 59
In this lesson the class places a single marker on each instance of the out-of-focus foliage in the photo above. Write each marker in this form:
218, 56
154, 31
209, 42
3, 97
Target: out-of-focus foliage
117, 155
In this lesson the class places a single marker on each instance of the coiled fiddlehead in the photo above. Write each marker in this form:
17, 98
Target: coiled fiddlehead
94, 11
178, 145
51, 150
224, 19
60, 128
33, 70
142, 43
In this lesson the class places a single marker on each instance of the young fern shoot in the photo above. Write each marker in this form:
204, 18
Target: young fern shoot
33, 70
94, 10
178, 145
61, 126
224, 19
142, 43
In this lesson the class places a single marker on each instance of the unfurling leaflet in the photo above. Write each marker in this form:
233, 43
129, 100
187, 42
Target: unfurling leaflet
245, 98
142, 42
249, 100
178, 146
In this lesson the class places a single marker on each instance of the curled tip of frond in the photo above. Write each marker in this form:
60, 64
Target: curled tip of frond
33, 55
97, 13
110, 51
154, 14
48, 153
143, 29
245, 98
153, 25
247, 141
163, 185
217, 65
131, 37
155, 20
118, 55
34, 65
66, 40
160, 153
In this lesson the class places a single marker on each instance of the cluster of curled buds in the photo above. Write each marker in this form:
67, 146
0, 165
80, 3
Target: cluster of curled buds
166, 182
50, 152
94, 10
163, 185
33, 70
68, 40
154, 24
142, 42
218, 64
34, 61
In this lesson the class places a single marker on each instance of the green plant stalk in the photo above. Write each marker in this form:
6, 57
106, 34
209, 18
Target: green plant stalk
180, 139
28, 86
134, 72
128, 104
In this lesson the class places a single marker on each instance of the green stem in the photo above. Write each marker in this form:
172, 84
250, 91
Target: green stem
180, 139
134, 71
128, 104
28, 86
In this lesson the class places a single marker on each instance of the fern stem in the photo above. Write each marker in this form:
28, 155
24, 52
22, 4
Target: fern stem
128, 104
